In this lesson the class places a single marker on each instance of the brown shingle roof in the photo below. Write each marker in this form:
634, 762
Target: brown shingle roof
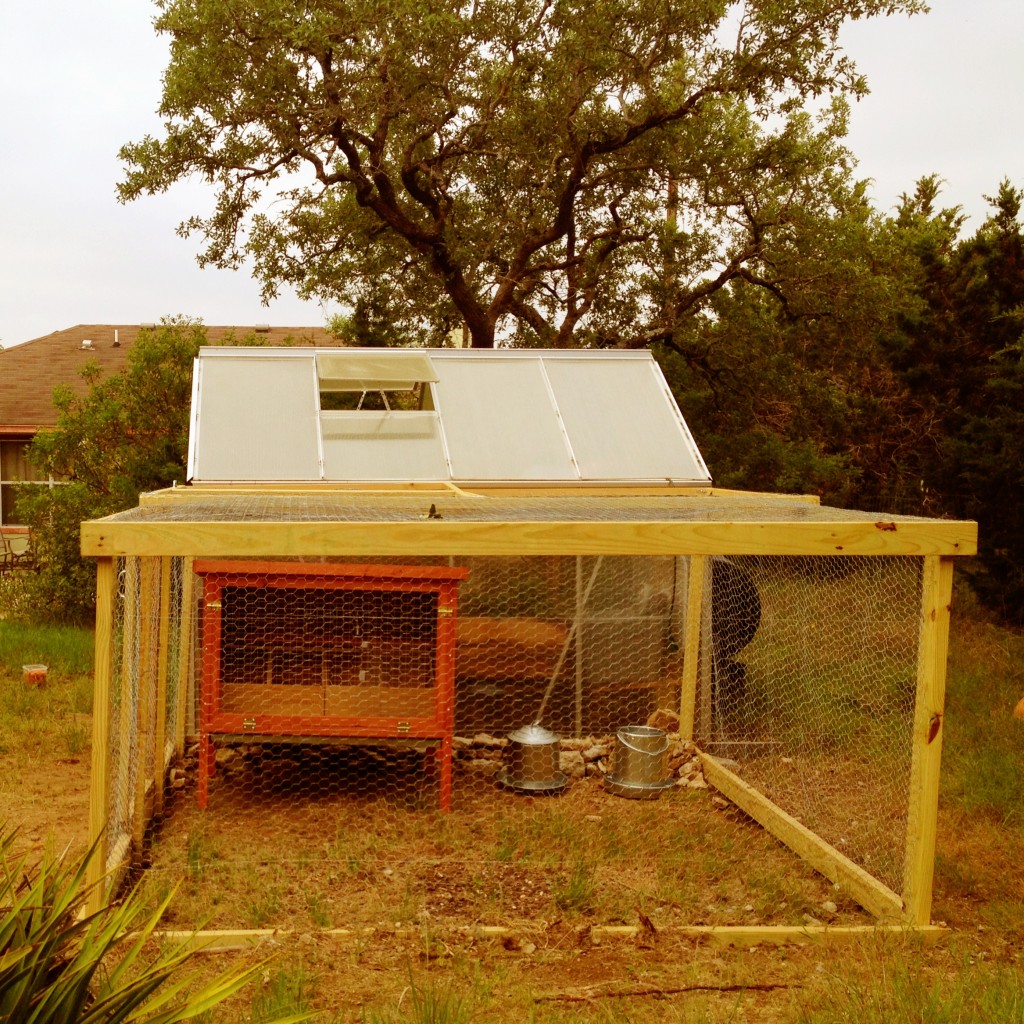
30, 372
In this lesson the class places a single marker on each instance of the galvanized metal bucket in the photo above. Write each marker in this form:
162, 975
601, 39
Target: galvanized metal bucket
640, 763
532, 761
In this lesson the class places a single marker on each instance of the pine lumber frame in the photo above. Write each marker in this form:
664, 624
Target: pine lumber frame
100, 772
870, 893
926, 756
691, 644
162, 652
233, 940
146, 741
248, 539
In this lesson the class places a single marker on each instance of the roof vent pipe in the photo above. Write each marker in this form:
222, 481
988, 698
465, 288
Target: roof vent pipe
117, 340
86, 343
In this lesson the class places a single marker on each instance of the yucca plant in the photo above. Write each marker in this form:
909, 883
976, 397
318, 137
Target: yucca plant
60, 965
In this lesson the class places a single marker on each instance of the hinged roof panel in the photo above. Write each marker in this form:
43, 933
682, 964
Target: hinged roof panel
468, 417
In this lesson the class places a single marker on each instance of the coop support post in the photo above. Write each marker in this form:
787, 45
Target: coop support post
706, 648
99, 791
163, 650
691, 645
145, 741
185, 656
936, 596
578, 718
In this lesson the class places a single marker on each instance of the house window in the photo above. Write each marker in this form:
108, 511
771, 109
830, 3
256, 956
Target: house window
15, 469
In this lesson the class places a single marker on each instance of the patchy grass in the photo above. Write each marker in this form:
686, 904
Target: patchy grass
57, 715
586, 867
67, 650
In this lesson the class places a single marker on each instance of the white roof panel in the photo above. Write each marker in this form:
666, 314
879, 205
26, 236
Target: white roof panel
255, 418
620, 424
500, 420
519, 416
385, 446
373, 370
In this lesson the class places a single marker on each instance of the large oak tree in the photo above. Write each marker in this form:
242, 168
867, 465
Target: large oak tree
559, 172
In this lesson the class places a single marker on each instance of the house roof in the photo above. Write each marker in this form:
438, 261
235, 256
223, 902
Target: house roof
497, 417
29, 372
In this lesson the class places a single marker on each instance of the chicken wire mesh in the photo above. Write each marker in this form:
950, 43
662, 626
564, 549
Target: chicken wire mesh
326, 743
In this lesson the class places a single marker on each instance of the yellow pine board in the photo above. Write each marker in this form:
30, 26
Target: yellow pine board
450, 537
872, 895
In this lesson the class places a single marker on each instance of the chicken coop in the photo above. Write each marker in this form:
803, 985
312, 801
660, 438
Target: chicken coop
484, 614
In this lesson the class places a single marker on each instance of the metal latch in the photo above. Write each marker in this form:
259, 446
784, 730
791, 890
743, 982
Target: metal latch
249, 724
445, 612
213, 604
403, 727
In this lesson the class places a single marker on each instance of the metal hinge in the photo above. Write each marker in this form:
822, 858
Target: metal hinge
249, 724
213, 604
445, 612
403, 727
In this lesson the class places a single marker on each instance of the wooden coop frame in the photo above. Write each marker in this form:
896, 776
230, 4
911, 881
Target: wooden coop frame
159, 531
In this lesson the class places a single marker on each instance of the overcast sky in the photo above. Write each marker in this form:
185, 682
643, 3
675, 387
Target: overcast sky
78, 79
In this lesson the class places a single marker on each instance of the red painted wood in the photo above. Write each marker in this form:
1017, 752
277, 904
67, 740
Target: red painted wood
286, 576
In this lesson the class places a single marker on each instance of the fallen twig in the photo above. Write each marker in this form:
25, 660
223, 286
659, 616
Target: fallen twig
569, 997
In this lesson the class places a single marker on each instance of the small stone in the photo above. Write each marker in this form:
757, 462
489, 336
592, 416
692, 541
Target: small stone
808, 919
485, 739
224, 756
595, 753
571, 762
749, 908
529, 947
388, 872
829, 907
576, 743
697, 782
593, 817
665, 719
720, 802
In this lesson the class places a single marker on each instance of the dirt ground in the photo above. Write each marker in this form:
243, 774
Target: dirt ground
548, 967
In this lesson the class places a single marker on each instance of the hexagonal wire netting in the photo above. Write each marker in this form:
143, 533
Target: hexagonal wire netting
493, 739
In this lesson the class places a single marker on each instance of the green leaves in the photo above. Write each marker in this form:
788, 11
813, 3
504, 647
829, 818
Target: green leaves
127, 435
504, 164
59, 965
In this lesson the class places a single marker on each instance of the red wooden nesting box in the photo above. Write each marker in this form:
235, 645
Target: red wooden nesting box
300, 649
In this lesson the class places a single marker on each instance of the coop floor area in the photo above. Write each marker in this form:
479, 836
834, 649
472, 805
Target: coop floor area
313, 846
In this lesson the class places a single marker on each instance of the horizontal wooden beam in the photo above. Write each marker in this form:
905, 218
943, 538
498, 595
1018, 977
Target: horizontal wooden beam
231, 940
867, 890
109, 537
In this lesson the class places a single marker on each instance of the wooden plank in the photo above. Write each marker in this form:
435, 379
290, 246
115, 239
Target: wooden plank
234, 940
453, 537
204, 491
99, 784
129, 693
144, 740
185, 656
875, 897
578, 653
705, 662
162, 653
691, 645
936, 596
